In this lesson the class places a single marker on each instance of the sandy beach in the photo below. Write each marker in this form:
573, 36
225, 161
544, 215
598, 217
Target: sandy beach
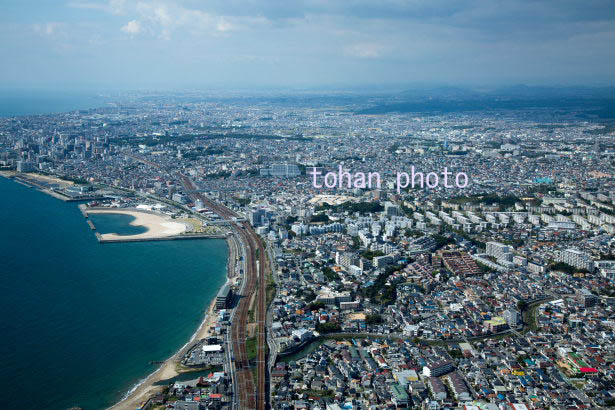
38, 178
51, 179
158, 226
168, 369
7, 174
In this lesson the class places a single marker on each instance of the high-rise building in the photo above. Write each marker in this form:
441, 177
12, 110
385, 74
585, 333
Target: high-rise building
346, 259
499, 250
223, 299
513, 317
281, 171
438, 369
576, 258
256, 217
25, 166
587, 298
390, 209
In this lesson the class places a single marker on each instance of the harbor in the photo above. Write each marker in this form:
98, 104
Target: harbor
55, 187
126, 278
156, 226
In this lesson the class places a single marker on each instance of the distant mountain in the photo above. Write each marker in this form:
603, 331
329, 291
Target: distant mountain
519, 91
440, 92
550, 92
596, 101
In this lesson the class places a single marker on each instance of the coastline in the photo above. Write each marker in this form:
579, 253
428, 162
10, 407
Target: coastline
47, 184
157, 225
141, 392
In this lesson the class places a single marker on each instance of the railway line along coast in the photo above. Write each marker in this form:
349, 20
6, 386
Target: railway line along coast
251, 392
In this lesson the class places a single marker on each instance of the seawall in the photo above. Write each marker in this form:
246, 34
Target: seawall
162, 238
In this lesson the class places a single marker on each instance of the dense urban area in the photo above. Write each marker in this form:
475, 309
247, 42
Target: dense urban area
497, 295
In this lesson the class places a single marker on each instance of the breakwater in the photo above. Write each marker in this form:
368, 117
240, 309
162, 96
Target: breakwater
156, 226
50, 190
94, 352
161, 238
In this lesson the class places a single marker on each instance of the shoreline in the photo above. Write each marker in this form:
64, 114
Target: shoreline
38, 181
157, 225
140, 392
145, 389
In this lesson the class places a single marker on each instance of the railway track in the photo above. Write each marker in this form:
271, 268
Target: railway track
251, 395
262, 336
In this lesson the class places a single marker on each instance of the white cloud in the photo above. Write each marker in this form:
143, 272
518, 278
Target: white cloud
366, 50
117, 6
112, 6
133, 27
164, 18
86, 5
50, 29
224, 25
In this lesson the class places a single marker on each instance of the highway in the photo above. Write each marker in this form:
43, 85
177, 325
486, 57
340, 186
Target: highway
251, 395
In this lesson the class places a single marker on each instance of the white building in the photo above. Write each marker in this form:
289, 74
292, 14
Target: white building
437, 369
576, 258
281, 171
499, 250
513, 317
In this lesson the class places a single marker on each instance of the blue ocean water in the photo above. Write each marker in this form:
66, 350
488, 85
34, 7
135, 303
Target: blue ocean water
116, 223
80, 320
27, 102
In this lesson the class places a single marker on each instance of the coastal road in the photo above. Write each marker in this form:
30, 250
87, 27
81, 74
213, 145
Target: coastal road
251, 395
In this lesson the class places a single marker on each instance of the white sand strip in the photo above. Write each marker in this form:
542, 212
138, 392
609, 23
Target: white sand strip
158, 226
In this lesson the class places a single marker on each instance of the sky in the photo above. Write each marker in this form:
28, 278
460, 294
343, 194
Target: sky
188, 44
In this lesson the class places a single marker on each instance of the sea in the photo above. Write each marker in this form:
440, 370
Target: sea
34, 102
81, 321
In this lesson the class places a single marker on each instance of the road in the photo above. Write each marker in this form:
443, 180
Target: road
251, 395
273, 346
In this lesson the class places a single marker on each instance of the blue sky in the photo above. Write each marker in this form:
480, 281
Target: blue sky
164, 44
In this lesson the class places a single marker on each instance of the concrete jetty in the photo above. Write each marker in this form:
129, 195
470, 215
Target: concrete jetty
162, 238
54, 191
